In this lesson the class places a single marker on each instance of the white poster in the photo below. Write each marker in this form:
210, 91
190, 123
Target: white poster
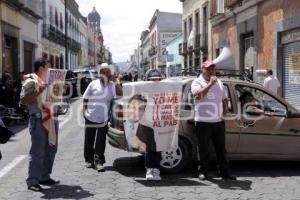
163, 40
152, 115
56, 84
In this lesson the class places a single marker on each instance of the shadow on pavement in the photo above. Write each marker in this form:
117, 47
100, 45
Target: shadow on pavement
232, 185
65, 192
134, 167
265, 168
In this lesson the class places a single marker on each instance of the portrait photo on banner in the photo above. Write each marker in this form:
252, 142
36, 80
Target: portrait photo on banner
151, 115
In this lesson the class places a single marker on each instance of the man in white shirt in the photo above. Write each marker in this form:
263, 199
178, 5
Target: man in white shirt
210, 105
271, 82
96, 104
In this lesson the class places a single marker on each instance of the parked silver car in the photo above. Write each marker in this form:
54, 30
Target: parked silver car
275, 136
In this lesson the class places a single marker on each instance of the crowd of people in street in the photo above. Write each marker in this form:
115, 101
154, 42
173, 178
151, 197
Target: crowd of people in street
97, 98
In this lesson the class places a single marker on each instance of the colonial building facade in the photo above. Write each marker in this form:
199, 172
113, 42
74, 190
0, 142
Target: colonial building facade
196, 33
262, 34
19, 40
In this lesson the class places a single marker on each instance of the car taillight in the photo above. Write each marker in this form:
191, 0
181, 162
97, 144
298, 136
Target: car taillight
121, 127
120, 114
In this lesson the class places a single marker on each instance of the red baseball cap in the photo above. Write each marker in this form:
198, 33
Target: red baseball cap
207, 64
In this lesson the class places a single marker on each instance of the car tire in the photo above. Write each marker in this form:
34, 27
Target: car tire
175, 161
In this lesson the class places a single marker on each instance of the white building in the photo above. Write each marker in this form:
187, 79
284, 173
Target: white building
55, 24
164, 27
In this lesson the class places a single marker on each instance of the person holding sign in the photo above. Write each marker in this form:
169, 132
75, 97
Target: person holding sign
210, 105
140, 137
96, 104
43, 142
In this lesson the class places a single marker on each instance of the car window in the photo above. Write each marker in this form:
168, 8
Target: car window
265, 101
187, 97
230, 107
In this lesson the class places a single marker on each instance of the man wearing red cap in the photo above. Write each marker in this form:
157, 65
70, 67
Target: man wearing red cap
210, 107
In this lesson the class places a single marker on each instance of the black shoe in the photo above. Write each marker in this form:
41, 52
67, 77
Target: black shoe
35, 188
228, 176
50, 181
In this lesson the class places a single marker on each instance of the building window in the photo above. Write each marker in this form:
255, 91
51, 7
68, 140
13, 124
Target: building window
57, 62
197, 23
56, 18
61, 22
52, 61
51, 14
185, 31
220, 6
204, 20
190, 24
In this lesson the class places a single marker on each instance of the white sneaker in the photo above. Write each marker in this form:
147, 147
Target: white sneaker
156, 174
149, 174
100, 168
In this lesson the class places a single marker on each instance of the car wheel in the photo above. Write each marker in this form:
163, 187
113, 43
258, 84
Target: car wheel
177, 160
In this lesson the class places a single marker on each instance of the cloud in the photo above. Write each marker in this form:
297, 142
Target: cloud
123, 21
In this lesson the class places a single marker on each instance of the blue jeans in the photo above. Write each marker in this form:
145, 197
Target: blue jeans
41, 155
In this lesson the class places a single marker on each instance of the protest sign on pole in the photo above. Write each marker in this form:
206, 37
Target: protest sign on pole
56, 85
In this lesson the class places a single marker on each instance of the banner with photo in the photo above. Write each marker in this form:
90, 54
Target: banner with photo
151, 114
56, 85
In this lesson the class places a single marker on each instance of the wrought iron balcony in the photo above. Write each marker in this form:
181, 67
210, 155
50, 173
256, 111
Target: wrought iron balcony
53, 34
232, 3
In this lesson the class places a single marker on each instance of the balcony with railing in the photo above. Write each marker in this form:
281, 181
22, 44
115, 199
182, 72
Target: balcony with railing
55, 35
232, 3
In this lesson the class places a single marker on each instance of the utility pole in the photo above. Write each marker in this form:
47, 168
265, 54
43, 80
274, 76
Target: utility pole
66, 37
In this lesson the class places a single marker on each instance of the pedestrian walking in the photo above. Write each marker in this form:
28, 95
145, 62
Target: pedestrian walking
271, 82
210, 106
96, 105
43, 140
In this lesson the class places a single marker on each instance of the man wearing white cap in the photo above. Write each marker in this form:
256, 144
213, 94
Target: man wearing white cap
96, 105
210, 107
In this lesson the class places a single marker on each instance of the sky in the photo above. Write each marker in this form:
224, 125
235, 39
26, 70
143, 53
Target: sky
122, 21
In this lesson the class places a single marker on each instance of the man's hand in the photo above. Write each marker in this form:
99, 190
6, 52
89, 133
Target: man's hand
213, 80
42, 88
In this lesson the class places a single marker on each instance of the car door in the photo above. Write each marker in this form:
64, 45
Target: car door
271, 134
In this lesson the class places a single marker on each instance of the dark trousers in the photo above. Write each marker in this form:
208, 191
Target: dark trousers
152, 159
215, 132
94, 142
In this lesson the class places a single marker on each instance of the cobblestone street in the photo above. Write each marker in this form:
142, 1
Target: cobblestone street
124, 176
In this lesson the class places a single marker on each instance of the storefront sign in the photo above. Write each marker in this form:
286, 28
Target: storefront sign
294, 62
163, 40
290, 36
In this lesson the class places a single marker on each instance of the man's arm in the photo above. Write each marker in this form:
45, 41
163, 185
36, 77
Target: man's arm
119, 90
29, 98
202, 92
